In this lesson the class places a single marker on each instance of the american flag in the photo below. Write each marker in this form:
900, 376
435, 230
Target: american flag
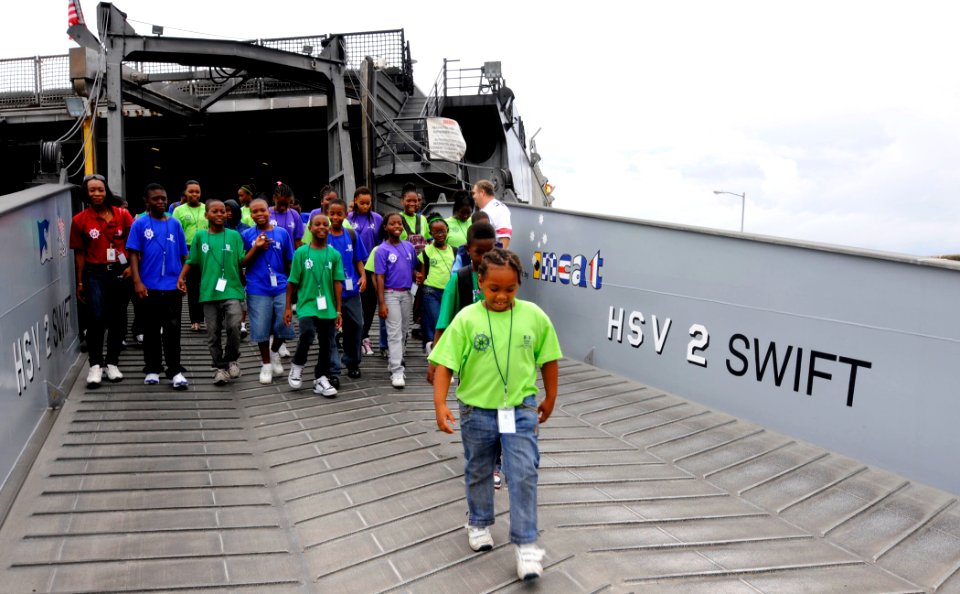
74, 14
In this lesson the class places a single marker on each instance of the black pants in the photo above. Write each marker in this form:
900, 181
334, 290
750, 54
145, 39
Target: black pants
163, 309
193, 295
319, 330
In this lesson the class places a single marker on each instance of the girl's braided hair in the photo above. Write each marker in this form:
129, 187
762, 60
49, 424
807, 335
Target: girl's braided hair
501, 257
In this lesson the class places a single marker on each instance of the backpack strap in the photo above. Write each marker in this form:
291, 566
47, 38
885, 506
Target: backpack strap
464, 287
406, 226
426, 262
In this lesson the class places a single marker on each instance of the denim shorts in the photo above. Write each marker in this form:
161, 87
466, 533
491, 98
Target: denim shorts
266, 317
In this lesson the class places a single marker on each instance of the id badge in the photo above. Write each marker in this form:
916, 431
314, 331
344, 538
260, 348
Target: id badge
506, 420
221, 284
413, 289
321, 302
349, 283
273, 280
111, 255
122, 258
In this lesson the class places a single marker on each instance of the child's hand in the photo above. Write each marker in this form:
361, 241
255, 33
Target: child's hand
418, 277
545, 410
141, 290
363, 283
262, 242
181, 285
339, 323
444, 415
383, 312
287, 316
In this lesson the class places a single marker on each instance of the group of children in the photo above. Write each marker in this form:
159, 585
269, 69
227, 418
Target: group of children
472, 324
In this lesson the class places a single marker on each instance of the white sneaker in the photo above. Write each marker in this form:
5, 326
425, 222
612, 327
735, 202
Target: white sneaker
266, 374
284, 351
397, 380
151, 379
528, 561
294, 378
113, 373
179, 382
275, 363
322, 386
367, 347
94, 376
233, 370
139, 338
428, 348
479, 538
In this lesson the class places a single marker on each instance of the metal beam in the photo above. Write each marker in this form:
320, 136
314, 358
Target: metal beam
154, 99
223, 91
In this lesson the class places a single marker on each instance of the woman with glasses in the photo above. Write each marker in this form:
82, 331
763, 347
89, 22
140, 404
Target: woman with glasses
98, 237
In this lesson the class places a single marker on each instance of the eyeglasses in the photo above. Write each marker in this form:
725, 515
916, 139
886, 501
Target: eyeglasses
96, 176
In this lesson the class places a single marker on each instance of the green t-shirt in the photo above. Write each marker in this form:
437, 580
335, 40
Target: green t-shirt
457, 231
412, 223
441, 261
191, 219
219, 256
479, 346
245, 217
450, 304
308, 237
369, 266
314, 272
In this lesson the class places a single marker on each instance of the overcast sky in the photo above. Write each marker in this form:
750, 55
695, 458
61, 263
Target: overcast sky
839, 120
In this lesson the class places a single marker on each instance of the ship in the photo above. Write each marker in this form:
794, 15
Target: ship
737, 412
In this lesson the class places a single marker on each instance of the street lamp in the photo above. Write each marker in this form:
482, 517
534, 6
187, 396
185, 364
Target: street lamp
743, 203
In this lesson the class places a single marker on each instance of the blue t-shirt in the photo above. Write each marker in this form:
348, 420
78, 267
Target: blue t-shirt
351, 251
272, 260
396, 263
290, 221
162, 246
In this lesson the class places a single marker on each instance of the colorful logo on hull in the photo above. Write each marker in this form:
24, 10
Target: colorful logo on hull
568, 270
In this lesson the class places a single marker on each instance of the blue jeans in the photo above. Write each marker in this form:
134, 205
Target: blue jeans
266, 318
107, 295
430, 310
521, 458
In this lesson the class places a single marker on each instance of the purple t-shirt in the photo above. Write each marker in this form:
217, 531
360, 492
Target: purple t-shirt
395, 263
290, 221
367, 227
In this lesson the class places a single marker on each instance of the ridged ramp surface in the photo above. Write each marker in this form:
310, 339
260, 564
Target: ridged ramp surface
254, 488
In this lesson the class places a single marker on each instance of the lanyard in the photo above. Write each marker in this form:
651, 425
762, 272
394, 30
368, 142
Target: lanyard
504, 377
460, 226
270, 248
223, 248
162, 240
443, 260
326, 259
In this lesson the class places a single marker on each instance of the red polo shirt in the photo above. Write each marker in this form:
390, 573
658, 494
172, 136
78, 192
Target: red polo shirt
92, 234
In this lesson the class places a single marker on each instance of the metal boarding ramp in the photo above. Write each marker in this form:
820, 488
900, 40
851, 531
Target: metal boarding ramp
263, 489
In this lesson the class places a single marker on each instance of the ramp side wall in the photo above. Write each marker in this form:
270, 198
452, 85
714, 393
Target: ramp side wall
38, 315
854, 351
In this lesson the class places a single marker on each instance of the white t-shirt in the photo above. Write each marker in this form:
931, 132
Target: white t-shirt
499, 217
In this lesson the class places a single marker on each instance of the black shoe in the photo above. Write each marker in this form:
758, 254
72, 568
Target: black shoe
354, 373
335, 381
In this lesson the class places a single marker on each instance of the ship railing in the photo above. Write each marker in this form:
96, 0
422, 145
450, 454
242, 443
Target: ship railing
454, 81
44, 81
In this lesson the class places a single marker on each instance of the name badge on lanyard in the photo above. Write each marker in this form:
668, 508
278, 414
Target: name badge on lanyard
321, 302
349, 283
221, 284
111, 255
506, 420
